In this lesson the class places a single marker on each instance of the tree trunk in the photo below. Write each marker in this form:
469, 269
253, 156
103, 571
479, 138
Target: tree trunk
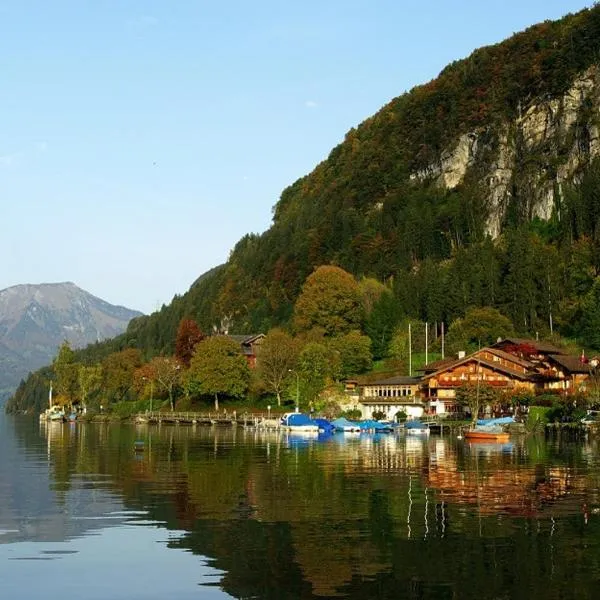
278, 399
217, 402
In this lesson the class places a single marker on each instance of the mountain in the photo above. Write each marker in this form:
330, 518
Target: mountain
36, 319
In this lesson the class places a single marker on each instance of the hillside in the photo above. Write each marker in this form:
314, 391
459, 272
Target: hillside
476, 189
486, 169
36, 319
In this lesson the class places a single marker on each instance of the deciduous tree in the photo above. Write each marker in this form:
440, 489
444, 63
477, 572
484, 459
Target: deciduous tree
330, 299
218, 367
166, 372
277, 355
188, 336
89, 378
118, 370
66, 371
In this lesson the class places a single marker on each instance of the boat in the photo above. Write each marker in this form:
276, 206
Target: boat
296, 421
324, 425
371, 425
345, 425
54, 412
482, 434
416, 427
490, 430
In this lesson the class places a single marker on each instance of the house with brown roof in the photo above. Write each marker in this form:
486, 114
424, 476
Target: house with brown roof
563, 373
249, 345
488, 366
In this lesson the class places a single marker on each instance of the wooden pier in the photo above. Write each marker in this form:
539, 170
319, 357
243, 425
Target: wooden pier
215, 418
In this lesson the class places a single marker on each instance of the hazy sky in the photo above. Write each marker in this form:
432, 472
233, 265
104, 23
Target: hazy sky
140, 140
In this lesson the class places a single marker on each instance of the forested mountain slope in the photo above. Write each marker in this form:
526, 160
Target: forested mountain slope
479, 188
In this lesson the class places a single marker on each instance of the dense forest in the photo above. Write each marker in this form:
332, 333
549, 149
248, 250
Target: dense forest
375, 209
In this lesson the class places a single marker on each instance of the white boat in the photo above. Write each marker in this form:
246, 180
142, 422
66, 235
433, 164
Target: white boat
54, 412
416, 427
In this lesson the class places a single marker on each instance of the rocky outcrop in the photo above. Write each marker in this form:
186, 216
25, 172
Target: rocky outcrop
528, 160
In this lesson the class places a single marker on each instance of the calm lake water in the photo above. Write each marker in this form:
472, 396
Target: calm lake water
219, 513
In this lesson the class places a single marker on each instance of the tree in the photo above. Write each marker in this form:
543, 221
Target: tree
118, 371
476, 395
588, 322
188, 335
354, 352
218, 367
330, 299
66, 372
166, 372
480, 327
89, 379
313, 370
381, 322
278, 354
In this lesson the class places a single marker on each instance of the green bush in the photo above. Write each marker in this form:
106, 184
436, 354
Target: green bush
352, 414
400, 416
538, 415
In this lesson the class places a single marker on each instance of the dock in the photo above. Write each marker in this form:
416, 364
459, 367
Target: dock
212, 418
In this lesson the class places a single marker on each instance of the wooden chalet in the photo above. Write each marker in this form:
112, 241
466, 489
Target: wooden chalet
563, 373
488, 366
250, 346
390, 396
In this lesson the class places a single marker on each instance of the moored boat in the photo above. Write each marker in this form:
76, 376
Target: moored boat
482, 434
416, 427
298, 422
345, 425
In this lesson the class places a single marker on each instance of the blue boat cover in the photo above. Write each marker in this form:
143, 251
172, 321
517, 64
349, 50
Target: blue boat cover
296, 419
342, 424
323, 424
414, 424
372, 424
498, 421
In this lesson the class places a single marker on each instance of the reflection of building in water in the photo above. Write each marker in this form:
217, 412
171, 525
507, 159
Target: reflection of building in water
495, 484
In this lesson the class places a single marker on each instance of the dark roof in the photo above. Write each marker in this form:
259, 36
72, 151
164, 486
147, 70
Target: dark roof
245, 339
398, 380
491, 365
542, 347
438, 364
572, 364
508, 356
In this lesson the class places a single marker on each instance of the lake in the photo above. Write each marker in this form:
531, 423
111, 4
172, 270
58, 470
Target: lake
223, 512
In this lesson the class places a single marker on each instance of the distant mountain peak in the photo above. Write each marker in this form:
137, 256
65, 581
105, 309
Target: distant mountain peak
36, 318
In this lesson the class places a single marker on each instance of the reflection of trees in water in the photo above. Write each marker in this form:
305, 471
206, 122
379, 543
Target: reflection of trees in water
293, 518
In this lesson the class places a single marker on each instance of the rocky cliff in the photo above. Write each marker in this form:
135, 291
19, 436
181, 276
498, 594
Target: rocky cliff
36, 319
528, 160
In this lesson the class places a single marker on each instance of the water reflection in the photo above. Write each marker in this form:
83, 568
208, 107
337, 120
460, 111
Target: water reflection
281, 515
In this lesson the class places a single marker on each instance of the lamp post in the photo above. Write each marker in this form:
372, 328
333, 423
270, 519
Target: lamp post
297, 389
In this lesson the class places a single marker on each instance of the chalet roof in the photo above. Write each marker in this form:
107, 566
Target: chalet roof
572, 364
438, 364
398, 380
542, 347
508, 356
494, 366
245, 339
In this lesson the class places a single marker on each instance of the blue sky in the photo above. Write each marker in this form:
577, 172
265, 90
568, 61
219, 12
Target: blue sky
140, 140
